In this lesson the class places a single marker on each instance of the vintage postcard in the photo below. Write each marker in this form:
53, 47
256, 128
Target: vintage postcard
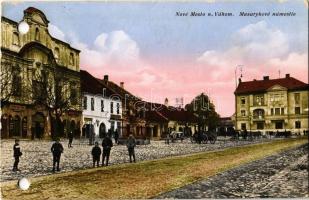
154, 99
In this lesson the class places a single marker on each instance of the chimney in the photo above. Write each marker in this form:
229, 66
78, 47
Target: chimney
122, 85
166, 102
105, 78
239, 80
287, 76
265, 78
254, 79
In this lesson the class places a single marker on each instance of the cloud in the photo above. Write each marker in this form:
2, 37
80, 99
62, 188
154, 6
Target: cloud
252, 44
56, 32
262, 50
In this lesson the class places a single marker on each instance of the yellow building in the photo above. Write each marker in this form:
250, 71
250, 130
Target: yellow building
27, 61
272, 104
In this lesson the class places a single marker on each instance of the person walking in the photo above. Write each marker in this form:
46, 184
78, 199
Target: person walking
70, 136
116, 136
107, 145
131, 143
96, 153
16, 155
57, 150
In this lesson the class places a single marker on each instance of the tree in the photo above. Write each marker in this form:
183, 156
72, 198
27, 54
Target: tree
205, 111
6, 76
52, 90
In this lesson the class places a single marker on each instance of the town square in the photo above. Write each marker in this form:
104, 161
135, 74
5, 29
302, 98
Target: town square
110, 100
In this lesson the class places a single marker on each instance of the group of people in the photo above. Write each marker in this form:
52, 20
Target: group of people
57, 150
107, 145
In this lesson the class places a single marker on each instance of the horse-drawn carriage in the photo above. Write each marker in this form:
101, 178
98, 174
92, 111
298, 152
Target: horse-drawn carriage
204, 137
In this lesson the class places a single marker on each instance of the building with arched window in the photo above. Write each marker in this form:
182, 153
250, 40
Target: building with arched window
33, 74
271, 105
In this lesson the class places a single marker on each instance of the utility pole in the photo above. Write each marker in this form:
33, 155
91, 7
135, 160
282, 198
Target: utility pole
240, 67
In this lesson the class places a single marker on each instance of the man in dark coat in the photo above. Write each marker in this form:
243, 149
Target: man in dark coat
57, 150
96, 153
16, 155
131, 143
70, 136
116, 136
107, 144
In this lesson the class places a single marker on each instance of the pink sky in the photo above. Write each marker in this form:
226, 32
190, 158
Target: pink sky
211, 72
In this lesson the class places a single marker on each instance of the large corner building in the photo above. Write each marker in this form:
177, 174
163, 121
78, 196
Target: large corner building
27, 60
272, 105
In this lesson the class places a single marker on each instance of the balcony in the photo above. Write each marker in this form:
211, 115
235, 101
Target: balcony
258, 118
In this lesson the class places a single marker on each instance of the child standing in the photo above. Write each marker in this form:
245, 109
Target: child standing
96, 153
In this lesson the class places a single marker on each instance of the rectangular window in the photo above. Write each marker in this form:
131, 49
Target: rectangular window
297, 124
102, 106
282, 111
92, 104
243, 113
297, 110
297, 98
272, 111
243, 126
85, 103
260, 125
279, 125
118, 108
259, 100
243, 101
271, 97
104, 92
277, 111
112, 107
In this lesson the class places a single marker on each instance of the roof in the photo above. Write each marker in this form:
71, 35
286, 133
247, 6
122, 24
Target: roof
32, 10
119, 90
171, 113
257, 86
91, 85
155, 116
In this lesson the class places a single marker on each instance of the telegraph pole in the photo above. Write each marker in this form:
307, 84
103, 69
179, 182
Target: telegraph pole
240, 67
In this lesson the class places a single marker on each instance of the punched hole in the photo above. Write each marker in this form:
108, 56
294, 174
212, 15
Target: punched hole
23, 27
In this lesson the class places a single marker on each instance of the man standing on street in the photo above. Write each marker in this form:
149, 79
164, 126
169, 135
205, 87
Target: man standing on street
107, 144
57, 150
131, 143
70, 136
17, 154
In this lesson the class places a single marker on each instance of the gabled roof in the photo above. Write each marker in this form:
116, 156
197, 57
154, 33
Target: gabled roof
118, 90
257, 86
91, 85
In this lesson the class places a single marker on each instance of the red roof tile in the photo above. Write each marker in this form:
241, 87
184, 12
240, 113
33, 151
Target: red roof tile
256, 86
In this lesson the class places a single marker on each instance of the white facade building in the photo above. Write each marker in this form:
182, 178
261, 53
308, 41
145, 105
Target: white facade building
102, 108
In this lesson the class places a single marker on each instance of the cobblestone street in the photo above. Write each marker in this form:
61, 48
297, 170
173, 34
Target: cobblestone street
284, 175
37, 158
